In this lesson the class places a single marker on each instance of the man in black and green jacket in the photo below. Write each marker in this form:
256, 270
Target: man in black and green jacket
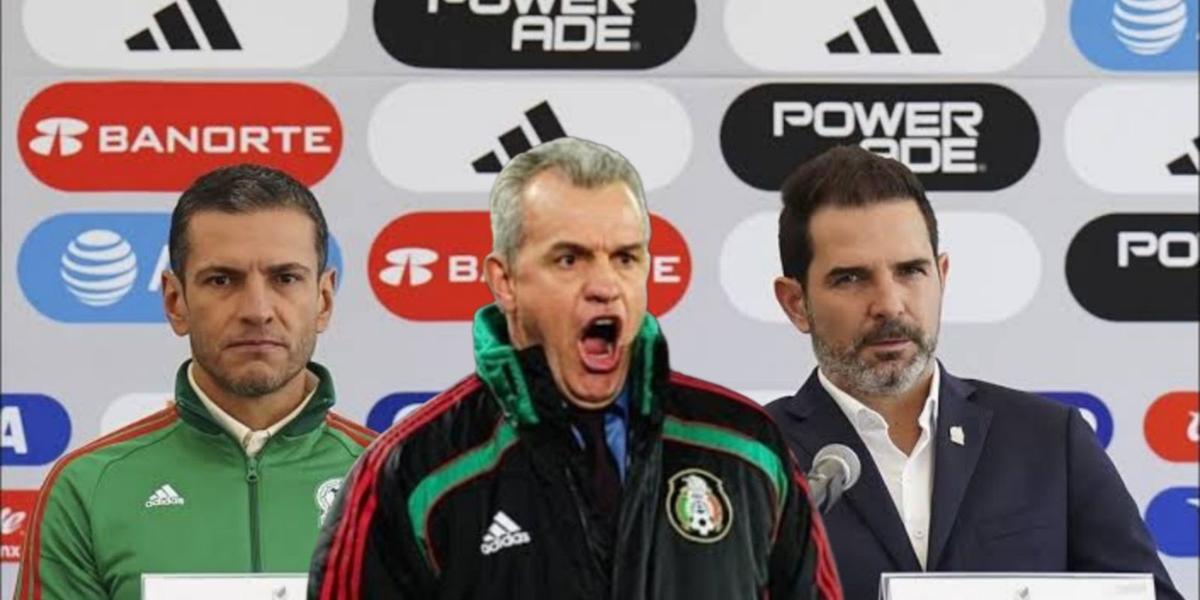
237, 474
574, 464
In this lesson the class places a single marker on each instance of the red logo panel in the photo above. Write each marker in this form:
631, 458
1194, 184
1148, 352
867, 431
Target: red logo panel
16, 509
1172, 427
428, 266
142, 136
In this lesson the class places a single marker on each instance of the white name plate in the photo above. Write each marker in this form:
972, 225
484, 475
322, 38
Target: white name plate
226, 586
1016, 586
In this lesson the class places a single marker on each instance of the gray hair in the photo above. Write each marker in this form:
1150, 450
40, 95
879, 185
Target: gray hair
586, 164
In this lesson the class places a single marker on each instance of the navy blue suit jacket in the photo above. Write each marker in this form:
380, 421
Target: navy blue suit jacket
1029, 490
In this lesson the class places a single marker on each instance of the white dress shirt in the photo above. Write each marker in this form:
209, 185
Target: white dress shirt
909, 478
252, 441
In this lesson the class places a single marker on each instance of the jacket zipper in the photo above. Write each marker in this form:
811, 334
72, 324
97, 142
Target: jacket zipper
252, 482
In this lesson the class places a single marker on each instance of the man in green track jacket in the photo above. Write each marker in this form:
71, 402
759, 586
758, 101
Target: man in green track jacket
574, 464
237, 475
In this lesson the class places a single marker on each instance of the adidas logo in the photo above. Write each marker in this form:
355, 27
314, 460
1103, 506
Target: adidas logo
503, 533
879, 31
1187, 163
544, 123
176, 29
164, 496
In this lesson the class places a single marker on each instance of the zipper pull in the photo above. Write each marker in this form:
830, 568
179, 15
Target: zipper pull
252, 470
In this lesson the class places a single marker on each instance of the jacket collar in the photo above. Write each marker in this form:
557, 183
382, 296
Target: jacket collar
522, 382
194, 413
818, 421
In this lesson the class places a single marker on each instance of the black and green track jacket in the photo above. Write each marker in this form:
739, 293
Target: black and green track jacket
176, 493
478, 494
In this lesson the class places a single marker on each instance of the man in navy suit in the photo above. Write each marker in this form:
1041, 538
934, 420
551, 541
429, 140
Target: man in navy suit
957, 475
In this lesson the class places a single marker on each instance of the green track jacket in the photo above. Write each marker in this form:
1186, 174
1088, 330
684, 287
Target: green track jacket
175, 493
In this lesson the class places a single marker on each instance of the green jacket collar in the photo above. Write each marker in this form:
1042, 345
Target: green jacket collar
523, 385
193, 412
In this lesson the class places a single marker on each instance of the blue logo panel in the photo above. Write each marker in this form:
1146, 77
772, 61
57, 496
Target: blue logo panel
393, 407
34, 429
1174, 520
102, 267
1094, 411
1133, 35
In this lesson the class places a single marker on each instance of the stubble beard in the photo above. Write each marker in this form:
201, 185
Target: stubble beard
889, 376
256, 384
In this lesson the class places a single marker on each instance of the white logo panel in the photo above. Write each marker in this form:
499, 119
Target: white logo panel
133, 35
480, 125
132, 407
995, 267
1136, 138
884, 36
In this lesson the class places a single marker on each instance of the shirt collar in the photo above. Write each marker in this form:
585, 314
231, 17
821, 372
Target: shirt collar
244, 435
862, 416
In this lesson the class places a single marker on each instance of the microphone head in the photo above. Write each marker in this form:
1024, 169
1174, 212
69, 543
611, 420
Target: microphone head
840, 453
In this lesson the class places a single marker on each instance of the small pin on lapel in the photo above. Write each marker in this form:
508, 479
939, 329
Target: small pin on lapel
957, 436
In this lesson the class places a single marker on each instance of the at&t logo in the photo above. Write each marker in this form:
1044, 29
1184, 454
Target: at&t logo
1136, 35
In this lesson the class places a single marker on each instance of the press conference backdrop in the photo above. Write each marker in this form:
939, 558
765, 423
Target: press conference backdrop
1058, 140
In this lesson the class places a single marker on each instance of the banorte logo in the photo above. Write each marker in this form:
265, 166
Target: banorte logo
534, 34
428, 266
159, 136
1172, 427
16, 508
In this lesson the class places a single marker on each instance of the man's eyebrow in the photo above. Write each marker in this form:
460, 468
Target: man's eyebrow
916, 262
851, 270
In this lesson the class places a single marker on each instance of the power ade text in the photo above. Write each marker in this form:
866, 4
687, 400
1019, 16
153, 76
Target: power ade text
560, 25
1173, 249
216, 139
928, 137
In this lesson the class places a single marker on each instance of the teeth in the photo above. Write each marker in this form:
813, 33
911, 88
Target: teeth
605, 321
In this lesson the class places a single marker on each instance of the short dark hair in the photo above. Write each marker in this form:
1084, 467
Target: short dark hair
844, 177
244, 188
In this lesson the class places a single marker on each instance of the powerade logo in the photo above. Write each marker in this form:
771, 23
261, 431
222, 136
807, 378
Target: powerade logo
393, 408
1137, 35
101, 267
34, 429
1172, 427
1173, 518
953, 136
141, 136
429, 266
16, 508
1094, 411
1137, 267
534, 34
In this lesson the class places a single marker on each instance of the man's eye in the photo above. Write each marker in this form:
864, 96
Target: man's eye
846, 279
288, 278
218, 280
566, 260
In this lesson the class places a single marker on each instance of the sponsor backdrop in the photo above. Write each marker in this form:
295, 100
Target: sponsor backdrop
1058, 138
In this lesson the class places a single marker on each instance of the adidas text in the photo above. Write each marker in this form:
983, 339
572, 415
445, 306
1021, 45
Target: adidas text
503, 533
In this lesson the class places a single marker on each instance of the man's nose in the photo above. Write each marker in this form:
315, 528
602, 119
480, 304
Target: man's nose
602, 285
255, 300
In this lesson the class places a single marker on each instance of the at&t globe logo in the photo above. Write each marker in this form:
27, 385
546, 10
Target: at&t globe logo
1149, 27
99, 267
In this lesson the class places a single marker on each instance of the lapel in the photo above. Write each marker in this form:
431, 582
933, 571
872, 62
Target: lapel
953, 463
820, 422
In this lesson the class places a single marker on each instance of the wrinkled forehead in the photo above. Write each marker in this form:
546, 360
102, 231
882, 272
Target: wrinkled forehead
608, 213
259, 238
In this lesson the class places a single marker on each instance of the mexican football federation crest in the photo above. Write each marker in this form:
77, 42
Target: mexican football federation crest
326, 493
697, 506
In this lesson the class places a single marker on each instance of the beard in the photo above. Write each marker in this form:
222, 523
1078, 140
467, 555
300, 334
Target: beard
256, 383
888, 374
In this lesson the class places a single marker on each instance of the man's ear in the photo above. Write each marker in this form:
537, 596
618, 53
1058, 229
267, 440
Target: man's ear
174, 303
500, 280
943, 266
790, 295
326, 282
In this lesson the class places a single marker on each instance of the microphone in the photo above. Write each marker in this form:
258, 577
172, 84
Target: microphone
835, 469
